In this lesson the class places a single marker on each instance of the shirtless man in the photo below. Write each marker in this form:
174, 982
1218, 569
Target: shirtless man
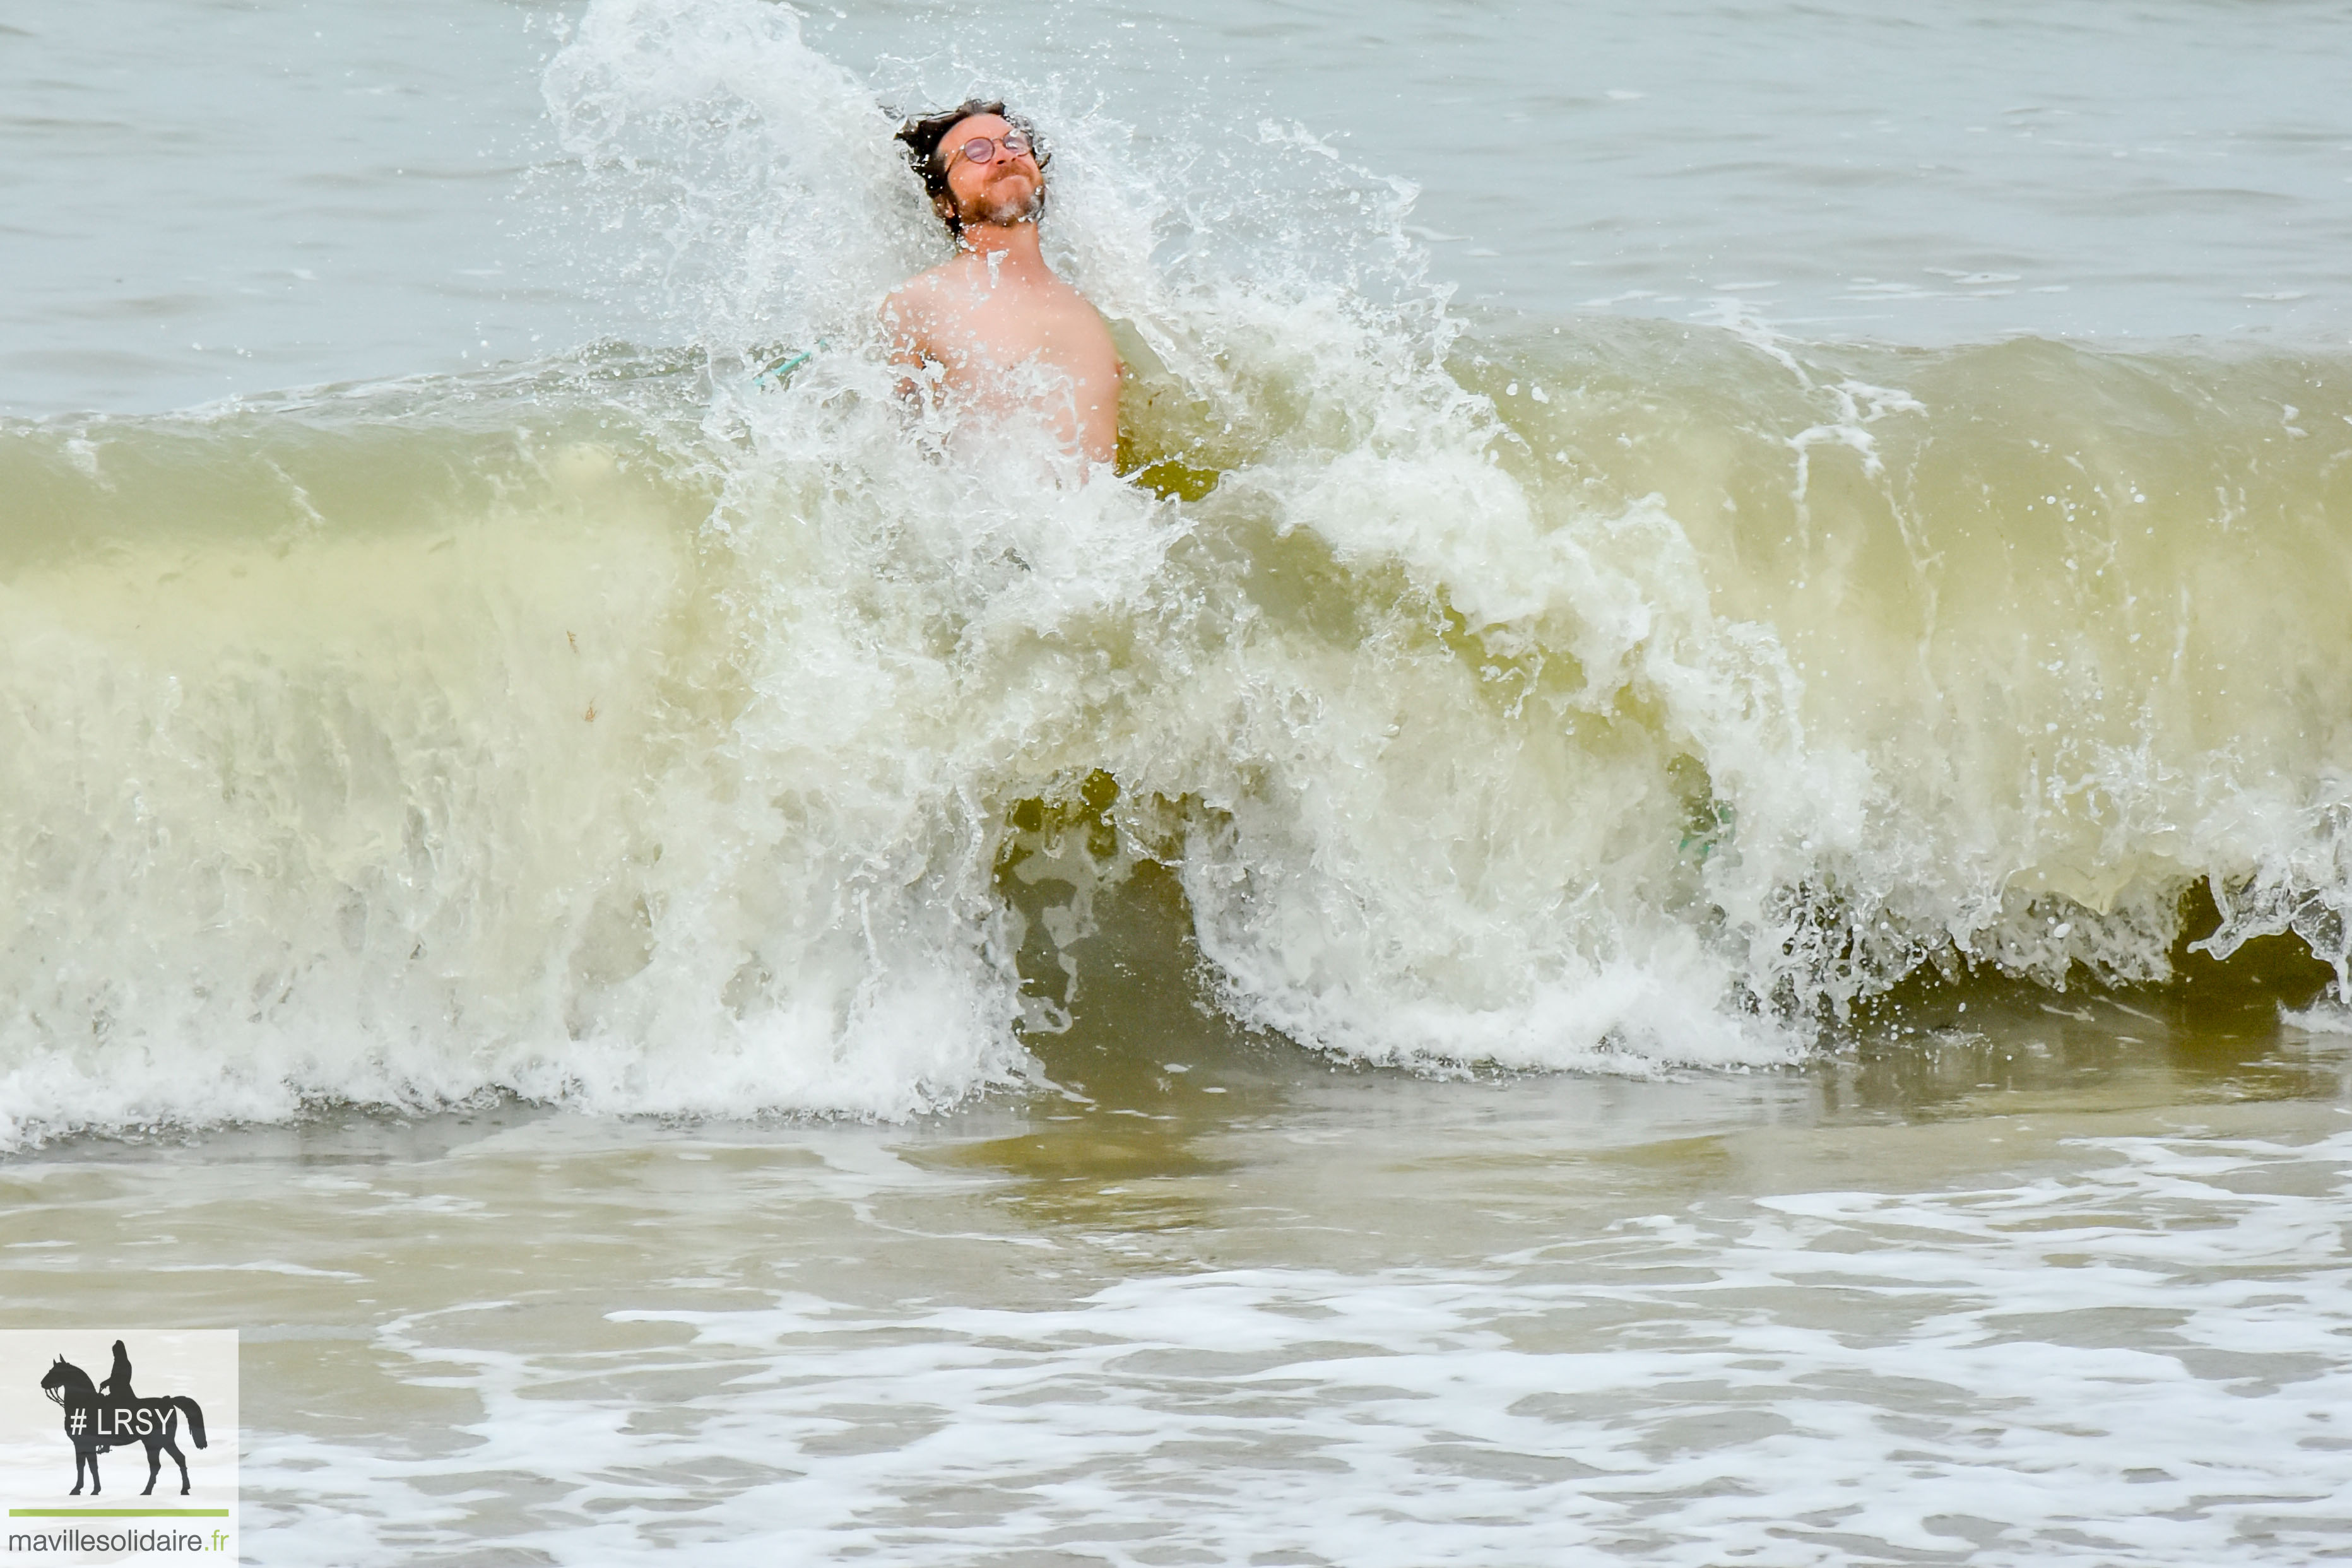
993, 324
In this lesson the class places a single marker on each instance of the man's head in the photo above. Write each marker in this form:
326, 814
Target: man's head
997, 184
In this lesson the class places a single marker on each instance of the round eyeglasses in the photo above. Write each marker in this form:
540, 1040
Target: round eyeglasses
983, 149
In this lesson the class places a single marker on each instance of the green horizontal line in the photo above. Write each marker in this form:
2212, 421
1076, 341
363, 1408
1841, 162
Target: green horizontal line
118, 1513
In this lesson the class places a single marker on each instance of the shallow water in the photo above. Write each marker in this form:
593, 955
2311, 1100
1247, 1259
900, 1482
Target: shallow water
2003, 1279
2041, 1294
1672, 882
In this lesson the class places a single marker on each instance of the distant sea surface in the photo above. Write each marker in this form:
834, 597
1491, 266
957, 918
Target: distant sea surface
216, 199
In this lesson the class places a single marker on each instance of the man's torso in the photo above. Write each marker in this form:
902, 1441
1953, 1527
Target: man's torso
1009, 340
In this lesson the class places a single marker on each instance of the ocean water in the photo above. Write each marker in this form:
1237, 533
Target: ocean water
1668, 882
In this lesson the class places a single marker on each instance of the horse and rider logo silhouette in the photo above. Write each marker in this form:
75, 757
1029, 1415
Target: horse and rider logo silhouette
110, 1416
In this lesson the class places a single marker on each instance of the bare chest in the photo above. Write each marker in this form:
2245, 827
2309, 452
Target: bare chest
1005, 331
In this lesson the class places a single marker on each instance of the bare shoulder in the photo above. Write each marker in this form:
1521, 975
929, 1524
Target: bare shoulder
914, 300
1094, 329
910, 317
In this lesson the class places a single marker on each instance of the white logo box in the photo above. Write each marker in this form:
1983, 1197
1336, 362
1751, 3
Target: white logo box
120, 1521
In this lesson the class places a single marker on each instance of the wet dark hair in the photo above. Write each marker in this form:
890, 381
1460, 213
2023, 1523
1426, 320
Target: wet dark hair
923, 134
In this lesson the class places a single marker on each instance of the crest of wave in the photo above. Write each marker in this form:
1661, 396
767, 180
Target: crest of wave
1285, 309
1481, 825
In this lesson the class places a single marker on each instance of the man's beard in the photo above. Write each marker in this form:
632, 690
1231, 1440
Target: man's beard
990, 208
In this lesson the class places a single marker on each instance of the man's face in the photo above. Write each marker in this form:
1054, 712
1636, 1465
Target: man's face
1005, 188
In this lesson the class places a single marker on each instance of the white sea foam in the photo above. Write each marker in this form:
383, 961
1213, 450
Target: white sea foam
2136, 1358
2321, 1017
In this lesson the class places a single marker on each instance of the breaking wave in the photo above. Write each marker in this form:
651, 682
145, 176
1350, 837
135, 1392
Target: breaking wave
613, 731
